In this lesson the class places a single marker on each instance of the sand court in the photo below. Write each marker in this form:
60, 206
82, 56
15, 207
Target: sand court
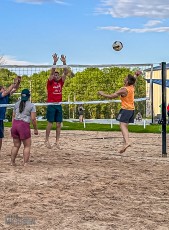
86, 185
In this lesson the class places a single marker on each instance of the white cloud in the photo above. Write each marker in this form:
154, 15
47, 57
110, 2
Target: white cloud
151, 23
133, 8
153, 9
10, 60
142, 30
41, 1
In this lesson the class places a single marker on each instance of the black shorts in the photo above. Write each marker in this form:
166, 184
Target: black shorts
126, 116
1, 129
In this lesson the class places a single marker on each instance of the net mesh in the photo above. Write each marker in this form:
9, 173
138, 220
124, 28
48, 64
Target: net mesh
81, 86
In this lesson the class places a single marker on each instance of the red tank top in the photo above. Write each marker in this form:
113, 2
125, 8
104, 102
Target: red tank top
54, 90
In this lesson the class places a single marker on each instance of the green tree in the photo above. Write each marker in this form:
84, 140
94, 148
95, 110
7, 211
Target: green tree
80, 86
85, 85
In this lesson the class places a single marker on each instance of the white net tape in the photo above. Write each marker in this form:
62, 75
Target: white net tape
76, 103
31, 69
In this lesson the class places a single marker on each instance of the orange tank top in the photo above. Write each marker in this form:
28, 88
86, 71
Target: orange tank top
127, 102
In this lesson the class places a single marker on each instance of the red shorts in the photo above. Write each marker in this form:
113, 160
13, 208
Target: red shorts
20, 130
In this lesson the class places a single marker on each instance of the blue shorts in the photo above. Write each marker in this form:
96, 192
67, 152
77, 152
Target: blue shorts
54, 113
126, 116
1, 129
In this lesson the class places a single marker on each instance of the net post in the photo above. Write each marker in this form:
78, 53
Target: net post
163, 73
151, 94
111, 123
84, 123
144, 123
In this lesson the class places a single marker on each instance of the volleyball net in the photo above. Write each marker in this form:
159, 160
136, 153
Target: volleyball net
81, 87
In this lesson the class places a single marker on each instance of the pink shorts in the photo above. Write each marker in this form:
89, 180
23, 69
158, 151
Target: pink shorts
20, 130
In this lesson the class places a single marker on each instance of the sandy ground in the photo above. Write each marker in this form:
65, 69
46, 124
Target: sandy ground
87, 185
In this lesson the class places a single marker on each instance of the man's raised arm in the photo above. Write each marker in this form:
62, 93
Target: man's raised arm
55, 59
13, 87
17, 84
65, 70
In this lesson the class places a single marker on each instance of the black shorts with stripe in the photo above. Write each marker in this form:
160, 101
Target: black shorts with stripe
126, 116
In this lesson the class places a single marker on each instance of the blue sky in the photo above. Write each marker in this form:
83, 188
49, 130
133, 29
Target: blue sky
84, 30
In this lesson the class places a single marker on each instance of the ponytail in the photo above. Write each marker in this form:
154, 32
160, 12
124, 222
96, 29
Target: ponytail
22, 106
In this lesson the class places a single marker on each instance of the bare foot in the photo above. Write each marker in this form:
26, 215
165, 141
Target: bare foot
13, 164
57, 145
124, 148
47, 144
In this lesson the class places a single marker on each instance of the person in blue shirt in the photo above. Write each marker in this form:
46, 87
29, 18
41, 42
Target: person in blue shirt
4, 99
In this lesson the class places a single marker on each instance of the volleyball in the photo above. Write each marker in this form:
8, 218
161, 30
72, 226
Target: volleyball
117, 45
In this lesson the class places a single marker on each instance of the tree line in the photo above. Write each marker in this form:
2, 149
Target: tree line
79, 86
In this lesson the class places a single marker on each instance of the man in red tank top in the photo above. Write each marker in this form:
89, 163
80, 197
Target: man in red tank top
54, 94
126, 113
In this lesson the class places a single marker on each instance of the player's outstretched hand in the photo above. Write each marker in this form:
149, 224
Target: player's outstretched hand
63, 59
138, 73
55, 57
35, 131
16, 80
19, 79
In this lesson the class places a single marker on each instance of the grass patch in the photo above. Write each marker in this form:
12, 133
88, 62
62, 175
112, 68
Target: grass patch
99, 127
